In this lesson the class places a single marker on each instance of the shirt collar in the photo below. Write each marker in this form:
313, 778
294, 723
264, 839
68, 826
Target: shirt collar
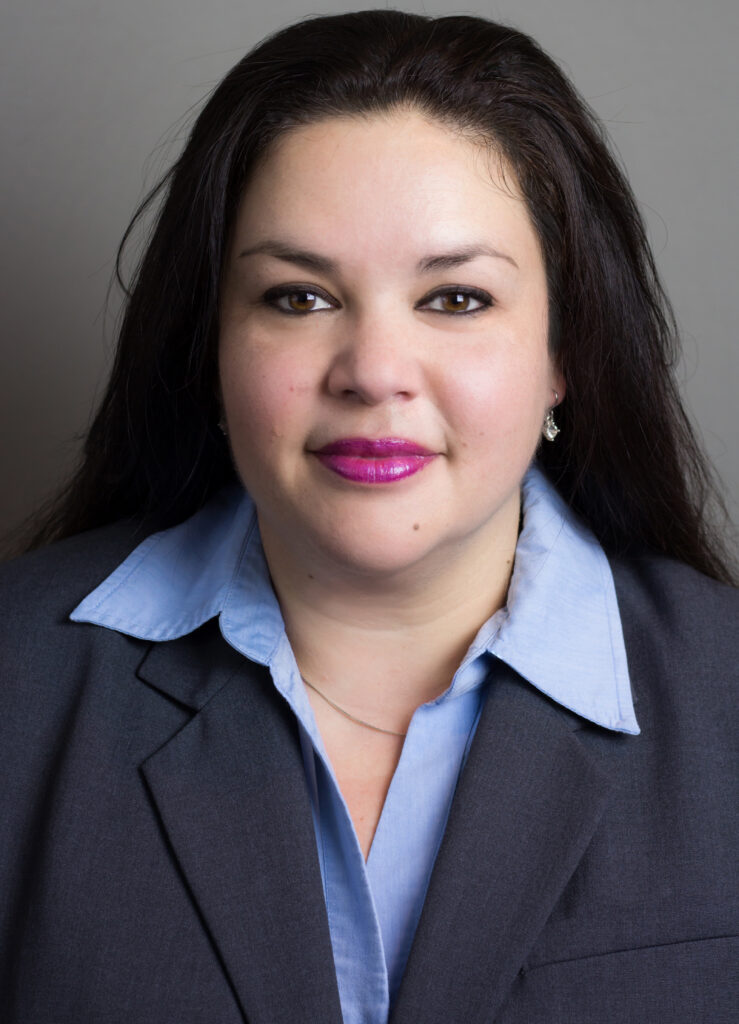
560, 628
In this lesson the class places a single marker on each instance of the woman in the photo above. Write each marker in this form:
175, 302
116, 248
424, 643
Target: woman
382, 663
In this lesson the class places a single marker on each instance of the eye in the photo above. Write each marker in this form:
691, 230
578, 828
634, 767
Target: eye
456, 301
300, 301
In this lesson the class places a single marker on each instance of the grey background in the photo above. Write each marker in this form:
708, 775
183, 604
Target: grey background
94, 102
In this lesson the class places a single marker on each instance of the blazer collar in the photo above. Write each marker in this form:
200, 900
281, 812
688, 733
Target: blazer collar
231, 794
526, 807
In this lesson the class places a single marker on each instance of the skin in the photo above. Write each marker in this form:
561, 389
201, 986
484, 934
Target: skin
383, 587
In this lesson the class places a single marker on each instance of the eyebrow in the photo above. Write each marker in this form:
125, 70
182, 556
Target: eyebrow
325, 265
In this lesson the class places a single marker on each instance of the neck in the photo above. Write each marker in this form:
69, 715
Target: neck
391, 643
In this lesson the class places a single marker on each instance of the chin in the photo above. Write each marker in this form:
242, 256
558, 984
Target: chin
369, 555
371, 546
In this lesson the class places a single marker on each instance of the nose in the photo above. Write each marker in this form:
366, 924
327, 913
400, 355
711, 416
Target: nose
374, 361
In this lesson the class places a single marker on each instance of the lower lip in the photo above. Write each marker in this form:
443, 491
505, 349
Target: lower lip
374, 471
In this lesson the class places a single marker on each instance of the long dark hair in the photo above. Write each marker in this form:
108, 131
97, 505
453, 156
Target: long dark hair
627, 459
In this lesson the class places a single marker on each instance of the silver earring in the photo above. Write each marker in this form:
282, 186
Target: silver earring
550, 429
222, 427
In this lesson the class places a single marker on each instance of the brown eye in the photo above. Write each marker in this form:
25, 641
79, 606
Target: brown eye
295, 301
459, 300
301, 302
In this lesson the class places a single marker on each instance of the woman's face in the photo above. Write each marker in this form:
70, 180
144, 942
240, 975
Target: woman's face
383, 349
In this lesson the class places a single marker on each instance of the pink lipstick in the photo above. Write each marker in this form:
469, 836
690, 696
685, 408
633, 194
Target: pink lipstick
374, 460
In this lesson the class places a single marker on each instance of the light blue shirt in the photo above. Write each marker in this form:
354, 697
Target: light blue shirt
560, 629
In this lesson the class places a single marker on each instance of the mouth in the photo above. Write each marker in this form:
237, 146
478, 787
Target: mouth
374, 460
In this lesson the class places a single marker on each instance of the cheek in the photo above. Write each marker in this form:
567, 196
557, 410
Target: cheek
262, 394
490, 401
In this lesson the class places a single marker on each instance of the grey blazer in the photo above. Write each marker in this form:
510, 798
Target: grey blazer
158, 861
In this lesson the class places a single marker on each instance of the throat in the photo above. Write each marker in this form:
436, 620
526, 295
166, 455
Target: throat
364, 768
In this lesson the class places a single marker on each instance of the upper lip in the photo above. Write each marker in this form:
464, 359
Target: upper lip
373, 447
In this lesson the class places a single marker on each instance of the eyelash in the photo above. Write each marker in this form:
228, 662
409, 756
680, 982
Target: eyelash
270, 299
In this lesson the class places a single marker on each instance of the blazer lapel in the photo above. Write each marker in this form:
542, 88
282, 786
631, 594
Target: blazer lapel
230, 789
527, 803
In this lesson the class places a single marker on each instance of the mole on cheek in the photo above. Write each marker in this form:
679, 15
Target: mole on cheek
416, 526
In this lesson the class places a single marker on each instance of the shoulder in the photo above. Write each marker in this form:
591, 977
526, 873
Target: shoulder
676, 601
38, 591
51, 581
58, 678
681, 631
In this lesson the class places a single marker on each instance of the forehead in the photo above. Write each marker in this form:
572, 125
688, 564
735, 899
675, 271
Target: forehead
384, 184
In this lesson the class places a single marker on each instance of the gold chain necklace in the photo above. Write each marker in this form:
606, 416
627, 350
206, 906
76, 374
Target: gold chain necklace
352, 718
